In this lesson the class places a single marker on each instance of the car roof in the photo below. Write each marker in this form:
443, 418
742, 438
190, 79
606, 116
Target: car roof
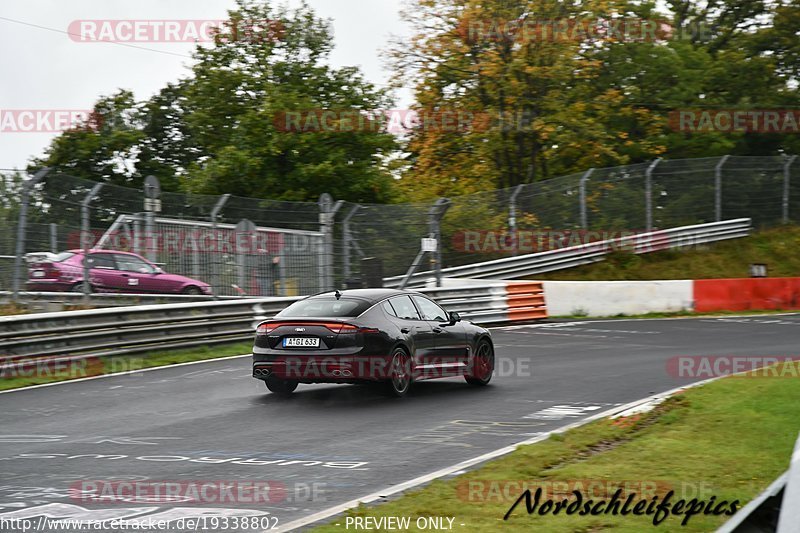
373, 295
98, 251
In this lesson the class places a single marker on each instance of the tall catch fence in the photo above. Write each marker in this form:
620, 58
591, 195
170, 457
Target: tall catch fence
264, 247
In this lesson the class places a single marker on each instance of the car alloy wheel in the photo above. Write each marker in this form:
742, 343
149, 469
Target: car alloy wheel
400, 373
483, 365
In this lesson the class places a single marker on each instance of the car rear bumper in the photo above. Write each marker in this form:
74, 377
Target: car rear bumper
45, 285
322, 368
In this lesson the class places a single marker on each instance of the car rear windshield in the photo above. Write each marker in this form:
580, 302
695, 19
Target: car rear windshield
327, 307
63, 256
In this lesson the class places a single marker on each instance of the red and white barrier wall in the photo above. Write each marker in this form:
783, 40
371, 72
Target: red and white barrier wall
612, 298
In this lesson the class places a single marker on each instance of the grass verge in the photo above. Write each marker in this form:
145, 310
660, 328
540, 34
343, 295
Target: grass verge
14, 379
728, 439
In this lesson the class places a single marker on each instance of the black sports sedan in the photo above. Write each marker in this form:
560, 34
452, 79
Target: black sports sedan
387, 336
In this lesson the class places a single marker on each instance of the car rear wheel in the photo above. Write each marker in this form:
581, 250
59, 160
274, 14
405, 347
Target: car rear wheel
399, 374
78, 287
482, 365
282, 387
192, 291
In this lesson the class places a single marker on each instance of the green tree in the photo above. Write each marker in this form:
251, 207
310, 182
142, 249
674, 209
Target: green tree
216, 131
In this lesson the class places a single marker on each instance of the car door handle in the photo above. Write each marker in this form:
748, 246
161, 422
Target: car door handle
405, 330
437, 330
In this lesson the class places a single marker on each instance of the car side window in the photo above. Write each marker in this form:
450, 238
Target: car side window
429, 310
404, 308
389, 309
102, 261
130, 263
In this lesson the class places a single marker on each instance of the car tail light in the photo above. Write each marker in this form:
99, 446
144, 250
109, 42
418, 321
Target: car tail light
51, 270
335, 327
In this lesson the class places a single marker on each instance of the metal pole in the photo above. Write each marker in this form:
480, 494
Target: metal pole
786, 183
346, 236
648, 194
27, 186
152, 194
434, 223
54, 238
718, 188
85, 237
331, 262
512, 217
215, 281
582, 198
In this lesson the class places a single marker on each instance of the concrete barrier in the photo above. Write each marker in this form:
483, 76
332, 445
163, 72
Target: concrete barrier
610, 298
746, 294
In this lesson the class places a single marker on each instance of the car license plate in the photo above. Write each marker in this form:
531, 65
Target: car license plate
38, 273
301, 342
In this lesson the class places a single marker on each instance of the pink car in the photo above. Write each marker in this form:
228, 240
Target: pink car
109, 271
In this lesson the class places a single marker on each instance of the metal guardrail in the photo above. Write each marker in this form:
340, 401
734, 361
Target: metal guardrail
73, 335
127, 330
540, 262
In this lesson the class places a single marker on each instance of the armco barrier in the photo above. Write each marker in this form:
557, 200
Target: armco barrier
746, 294
71, 335
530, 264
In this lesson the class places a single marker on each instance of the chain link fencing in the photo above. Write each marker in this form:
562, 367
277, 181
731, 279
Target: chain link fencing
293, 248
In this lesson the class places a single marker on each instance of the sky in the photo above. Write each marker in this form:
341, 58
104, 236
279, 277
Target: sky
45, 69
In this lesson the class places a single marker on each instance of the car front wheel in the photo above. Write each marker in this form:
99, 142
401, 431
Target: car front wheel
482, 365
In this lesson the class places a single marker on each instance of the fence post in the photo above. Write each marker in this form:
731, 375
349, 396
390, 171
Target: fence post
152, 204
346, 237
86, 286
22, 223
244, 247
786, 184
435, 228
718, 188
54, 238
512, 216
215, 279
327, 213
582, 198
648, 194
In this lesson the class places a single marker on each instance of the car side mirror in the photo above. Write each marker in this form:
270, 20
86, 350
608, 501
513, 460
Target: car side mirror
454, 317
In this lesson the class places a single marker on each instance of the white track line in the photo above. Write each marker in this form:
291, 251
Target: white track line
427, 478
150, 369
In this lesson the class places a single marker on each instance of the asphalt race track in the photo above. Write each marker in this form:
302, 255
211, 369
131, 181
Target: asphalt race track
330, 444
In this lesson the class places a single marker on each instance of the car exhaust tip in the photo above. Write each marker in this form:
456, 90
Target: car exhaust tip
337, 373
347, 373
